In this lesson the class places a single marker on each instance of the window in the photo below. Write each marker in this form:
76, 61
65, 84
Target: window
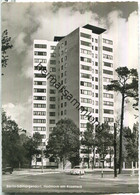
40, 75
85, 59
37, 68
53, 47
40, 53
52, 106
65, 42
107, 49
52, 99
106, 111
96, 103
96, 40
96, 94
105, 79
52, 121
85, 67
107, 41
39, 82
65, 104
61, 59
39, 97
96, 63
86, 84
108, 64
96, 55
87, 76
85, 43
96, 48
52, 69
85, 100
96, 79
65, 57
52, 91
62, 67
37, 60
39, 128
107, 103
39, 90
52, 61
89, 109
40, 46
107, 95
52, 113
53, 54
96, 86
96, 71
86, 92
65, 112
39, 120
61, 105
39, 105
106, 119
96, 111
62, 45
85, 35
85, 51
61, 74
61, 113
105, 86
40, 113
108, 72
107, 56
51, 129
83, 125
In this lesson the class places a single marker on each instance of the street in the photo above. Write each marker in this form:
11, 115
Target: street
58, 181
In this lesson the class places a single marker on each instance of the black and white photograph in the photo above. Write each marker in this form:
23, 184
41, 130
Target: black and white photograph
69, 82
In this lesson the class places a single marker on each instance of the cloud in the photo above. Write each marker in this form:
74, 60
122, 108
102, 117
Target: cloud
26, 22
21, 113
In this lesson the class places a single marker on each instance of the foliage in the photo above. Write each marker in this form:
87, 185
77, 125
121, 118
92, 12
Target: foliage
103, 139
88, 139
130, 145
12, 150
32, 146
64, 142
6, 44
17, 150
125, 84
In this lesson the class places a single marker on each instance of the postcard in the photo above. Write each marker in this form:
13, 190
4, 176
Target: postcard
69, 97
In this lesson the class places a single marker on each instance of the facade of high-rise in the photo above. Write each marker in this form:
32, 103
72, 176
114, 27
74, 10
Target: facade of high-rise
81, 63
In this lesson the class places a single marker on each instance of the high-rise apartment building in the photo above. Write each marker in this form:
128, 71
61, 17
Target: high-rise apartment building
82, 64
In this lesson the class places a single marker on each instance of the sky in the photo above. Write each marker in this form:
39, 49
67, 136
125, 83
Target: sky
28, 21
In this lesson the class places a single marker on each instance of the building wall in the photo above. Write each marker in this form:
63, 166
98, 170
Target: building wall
82, 63
69, 76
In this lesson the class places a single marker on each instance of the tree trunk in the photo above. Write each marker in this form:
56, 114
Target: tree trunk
63, 162
121, 128
93, 163
110, 157
88, 157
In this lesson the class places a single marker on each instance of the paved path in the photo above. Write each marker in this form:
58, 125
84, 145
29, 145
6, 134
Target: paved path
55, 181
